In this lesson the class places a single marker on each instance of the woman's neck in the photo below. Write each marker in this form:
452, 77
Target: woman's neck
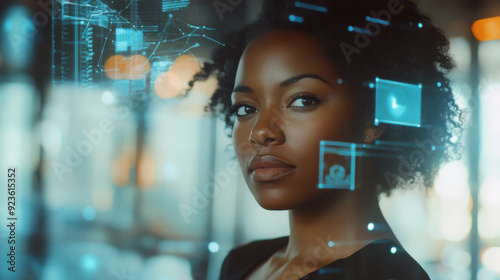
335, 226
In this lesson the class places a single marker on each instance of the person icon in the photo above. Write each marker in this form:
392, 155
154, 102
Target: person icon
336, 177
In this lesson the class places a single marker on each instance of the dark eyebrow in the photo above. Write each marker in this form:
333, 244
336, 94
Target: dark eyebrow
244, 89
285, 83
297, 78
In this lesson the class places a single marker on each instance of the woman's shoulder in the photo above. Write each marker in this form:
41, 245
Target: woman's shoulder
243, 258
381, 259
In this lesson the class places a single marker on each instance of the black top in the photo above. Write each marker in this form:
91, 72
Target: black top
381, 259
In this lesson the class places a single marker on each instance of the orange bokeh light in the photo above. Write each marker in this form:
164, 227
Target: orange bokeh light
486, 29
176, 80
145, 171
120, 170
119, 67
168, 85
125, 163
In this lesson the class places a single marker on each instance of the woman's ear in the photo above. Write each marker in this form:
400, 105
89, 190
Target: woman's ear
372, 132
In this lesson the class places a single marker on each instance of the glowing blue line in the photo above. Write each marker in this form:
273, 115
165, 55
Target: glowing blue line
377, 20
74, 4
359, 30
321, 159
400, 123
161, 37
213, 40
184, 36
295, 18
353, 164
193, 46
102, 52
310, 7
127, 6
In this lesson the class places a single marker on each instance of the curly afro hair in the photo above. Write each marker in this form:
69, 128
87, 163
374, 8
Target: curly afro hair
389, 39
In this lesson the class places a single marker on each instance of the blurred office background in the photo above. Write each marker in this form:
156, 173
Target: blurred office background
116, 165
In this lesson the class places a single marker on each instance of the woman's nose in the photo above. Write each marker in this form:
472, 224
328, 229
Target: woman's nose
268, 129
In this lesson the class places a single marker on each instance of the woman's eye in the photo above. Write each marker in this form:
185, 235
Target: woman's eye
242, 110
304, 101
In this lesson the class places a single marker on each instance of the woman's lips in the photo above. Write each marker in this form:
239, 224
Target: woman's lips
271, 174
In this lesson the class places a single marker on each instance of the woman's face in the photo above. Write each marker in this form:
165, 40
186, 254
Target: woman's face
287, 98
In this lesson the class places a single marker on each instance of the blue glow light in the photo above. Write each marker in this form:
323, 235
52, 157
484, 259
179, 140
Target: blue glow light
377, 20
339, 81
213, 247
89, 262
398, 103
358, 30
330, 243
394, 103
295, 18
372, 85
8, 26
370, 226
310, 7
89, 213
439, 84
394, 250
420, 25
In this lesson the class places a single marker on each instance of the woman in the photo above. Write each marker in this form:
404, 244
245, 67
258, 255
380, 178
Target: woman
301, 74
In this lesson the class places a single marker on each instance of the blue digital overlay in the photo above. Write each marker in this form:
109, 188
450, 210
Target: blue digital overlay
128, 39
397, 103
338, 161
173, 5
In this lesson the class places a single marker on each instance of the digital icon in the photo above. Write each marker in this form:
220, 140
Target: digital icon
397, 103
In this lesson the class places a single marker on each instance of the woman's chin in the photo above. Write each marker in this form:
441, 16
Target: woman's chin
276, 206
279, 202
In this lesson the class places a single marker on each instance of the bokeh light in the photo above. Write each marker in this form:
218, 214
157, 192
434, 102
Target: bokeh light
89, 213
175, 81
89, 263
491, 259
213, 247
146, 171
487, 29
119, 67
